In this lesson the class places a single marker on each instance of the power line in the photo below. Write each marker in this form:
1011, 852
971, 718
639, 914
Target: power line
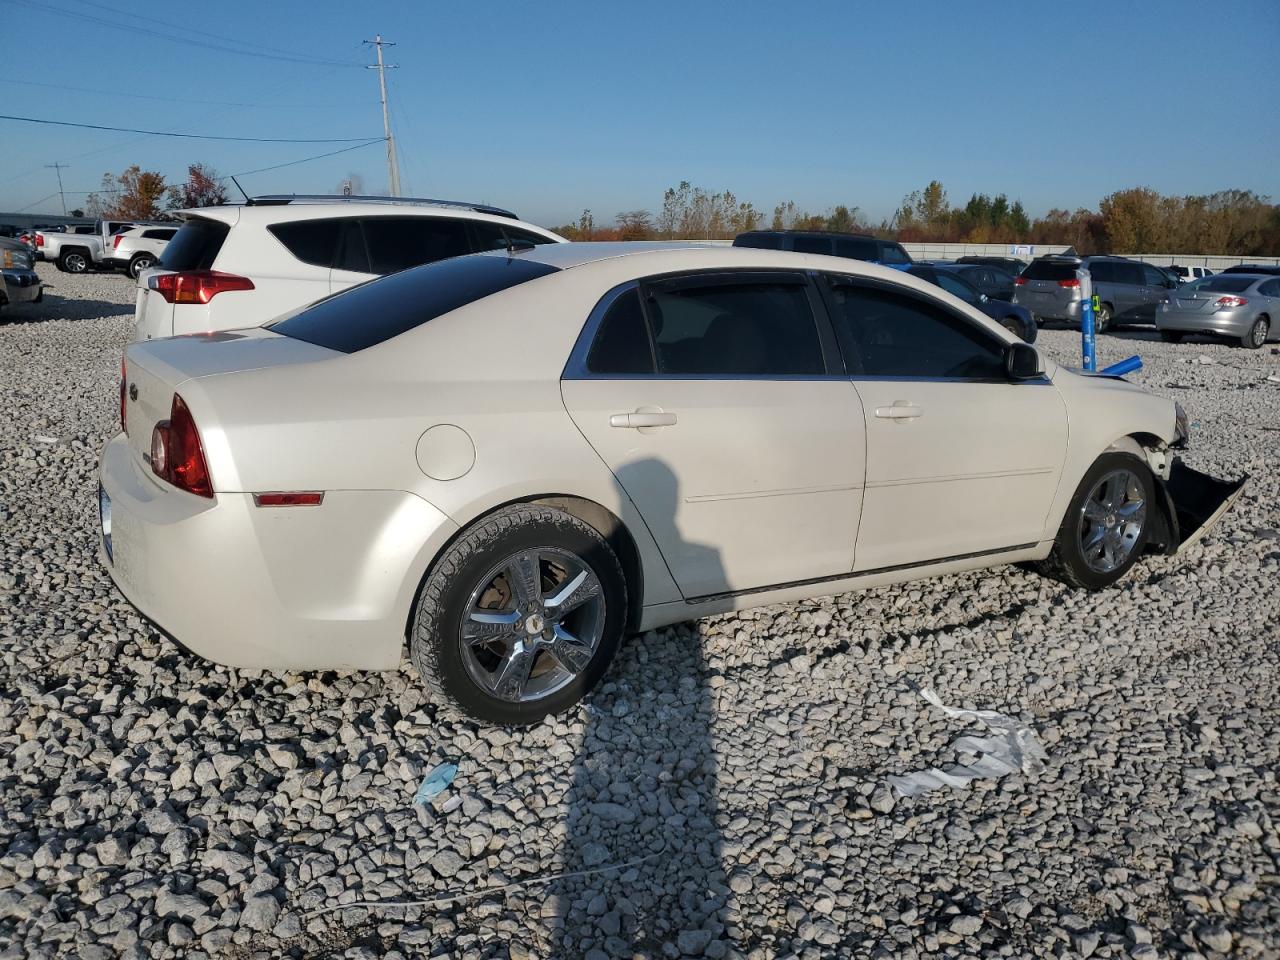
204, 103
112, 24
186, 136
318, 156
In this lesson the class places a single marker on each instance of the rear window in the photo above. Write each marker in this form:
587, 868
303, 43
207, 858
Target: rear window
857, 249
1222, 284
1049, 270
195, 246
381, 309
763, 241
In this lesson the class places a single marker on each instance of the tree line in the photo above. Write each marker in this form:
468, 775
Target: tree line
1136, 220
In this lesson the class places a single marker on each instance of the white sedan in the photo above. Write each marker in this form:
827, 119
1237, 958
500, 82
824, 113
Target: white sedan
510, 460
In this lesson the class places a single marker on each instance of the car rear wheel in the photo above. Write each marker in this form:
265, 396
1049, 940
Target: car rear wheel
1106, 525
139, 263
1257, 335
1103, 320
1171, 336
520, 617
73, 262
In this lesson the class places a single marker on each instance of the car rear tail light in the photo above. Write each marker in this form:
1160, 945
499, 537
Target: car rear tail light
124, 410
1223, 303
177, 455
1019, 281
1071, 284
115, 241
196, 286
39, 240
302, 498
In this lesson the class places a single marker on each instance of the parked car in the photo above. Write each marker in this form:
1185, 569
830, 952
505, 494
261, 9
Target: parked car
995, 282
21, 283
1010, 265
855, 246
242, 265
1239, 306
509, 460
1017, 320
135, 249
75, 251
1187, 274
8, 231
1128, 291
1255, 268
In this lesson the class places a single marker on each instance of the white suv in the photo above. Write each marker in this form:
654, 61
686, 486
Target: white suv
137, 248
242, 265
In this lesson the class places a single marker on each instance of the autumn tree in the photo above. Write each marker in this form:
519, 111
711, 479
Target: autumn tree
203, 189
1132, 220
136, 194
634, 225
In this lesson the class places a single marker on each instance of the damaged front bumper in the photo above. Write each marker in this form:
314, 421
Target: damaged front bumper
1192, 502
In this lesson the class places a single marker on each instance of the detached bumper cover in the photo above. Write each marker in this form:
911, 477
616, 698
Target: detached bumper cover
1194, 502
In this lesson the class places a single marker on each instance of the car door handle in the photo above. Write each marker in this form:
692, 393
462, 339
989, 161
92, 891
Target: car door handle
900, 410
641, 419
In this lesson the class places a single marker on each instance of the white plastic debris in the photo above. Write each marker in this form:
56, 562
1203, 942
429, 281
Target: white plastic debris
41, 438
1012, 748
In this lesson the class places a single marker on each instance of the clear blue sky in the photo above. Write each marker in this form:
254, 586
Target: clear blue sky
552, 107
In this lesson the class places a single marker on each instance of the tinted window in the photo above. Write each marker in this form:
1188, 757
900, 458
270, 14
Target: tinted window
311, 241
1270, 289
735, 328
492, 236
381, 309
622, 342
158, 234
351, 252
764, 241
892, 253
1153, 277
811, 244
1102, 271
1050, 270
1222, 284
889, 334
195, 246
957, 287
1130, 273
397, 244
856, 249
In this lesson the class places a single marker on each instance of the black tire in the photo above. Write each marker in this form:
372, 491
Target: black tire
1013, 326
435, 644
1103, 321
1171, 336
140, 262
74, 261
1067, 562
1257, 334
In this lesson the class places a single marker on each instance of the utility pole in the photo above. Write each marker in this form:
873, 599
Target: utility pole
393, 167
59, 167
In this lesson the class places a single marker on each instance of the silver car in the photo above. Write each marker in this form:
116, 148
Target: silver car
1239, 306
1129, 291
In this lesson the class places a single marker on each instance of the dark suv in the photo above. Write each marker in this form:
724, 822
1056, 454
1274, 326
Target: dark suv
1129, 291
854, 246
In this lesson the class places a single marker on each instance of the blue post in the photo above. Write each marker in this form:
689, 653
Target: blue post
1123, 367
1088, 340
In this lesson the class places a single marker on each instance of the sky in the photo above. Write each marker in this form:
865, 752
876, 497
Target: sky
551, 108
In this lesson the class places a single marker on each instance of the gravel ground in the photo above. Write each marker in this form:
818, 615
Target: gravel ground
728, 778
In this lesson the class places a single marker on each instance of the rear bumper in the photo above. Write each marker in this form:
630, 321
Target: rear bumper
1188, 321
21, 286
325, 587
1049, 309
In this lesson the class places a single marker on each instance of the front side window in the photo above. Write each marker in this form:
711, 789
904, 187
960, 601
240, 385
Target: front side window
803, 244
746, 328
856, 249
1130, 273
887, 333
1154, 277
397, 243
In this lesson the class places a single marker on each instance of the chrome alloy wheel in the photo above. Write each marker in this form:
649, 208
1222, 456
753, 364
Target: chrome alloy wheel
532, 624
1111, 520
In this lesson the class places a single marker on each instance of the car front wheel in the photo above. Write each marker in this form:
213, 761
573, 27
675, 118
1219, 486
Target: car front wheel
1106, 525
520, 617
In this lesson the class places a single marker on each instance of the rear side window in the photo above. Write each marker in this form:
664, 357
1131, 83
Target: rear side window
855, 249
1270, 289
885, 333
158, 234
311, 241
1049, 270
195, 246
1102, 271
622, 344
399, 243
892, 253
374, 312
492, 236
811, 245
742, 328
762, 241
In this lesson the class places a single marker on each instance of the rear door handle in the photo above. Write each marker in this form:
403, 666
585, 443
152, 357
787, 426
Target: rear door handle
641, 419
901, 410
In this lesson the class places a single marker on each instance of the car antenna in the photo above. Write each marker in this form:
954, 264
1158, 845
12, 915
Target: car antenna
240, 188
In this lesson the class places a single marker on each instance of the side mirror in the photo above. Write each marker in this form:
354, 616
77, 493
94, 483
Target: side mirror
1022, 362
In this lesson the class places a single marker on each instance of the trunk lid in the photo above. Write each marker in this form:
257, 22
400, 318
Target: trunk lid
155, 370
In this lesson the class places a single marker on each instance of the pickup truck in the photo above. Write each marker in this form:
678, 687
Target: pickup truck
79, 252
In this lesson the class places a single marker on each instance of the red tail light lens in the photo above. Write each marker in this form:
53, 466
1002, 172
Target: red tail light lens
1019, 281
1070, 284
124, 410
177, 455
39, 240
1227, 302
196, 286
115, 241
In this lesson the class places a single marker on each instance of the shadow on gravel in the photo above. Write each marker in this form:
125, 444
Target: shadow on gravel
54, 307
644, 786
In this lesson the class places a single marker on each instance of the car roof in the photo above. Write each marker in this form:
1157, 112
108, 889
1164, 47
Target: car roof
268, 213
